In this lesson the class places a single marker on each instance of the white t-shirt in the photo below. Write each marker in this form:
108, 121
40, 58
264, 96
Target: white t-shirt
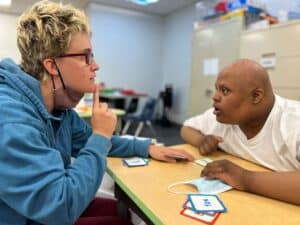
276, 146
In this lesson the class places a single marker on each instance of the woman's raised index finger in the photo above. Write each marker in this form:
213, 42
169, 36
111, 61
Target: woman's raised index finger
96, 96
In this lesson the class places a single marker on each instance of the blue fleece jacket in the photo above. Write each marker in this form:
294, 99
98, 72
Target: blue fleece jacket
38, 182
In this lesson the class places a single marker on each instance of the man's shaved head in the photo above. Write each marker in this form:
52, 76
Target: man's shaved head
249, 74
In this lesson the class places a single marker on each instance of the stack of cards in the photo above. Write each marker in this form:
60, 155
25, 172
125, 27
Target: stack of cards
204, 208
135, 161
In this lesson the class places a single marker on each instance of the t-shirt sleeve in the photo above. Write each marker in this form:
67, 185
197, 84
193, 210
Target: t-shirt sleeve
290, 131
297, 147
292, 141
201, 122
298, 154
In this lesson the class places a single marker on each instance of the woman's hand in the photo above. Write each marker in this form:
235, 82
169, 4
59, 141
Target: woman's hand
103, 120
168, 154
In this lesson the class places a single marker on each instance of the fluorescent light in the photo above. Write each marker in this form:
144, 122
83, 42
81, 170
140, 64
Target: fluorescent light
5, 2
143, 2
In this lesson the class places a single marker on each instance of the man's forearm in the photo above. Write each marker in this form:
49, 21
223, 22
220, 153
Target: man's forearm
191, 136
284, 186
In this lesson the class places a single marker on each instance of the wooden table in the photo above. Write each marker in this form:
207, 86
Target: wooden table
146, 188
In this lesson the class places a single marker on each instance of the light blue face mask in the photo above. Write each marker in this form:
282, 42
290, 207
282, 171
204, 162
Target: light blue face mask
204, 186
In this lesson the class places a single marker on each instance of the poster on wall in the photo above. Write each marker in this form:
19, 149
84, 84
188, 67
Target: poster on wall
268, 60
211, 67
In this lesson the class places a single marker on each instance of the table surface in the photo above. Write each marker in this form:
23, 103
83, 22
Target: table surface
147, 188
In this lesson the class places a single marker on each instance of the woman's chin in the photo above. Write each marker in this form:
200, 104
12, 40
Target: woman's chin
90, 89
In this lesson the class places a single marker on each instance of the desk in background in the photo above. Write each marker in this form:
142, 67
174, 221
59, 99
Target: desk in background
120, 99
146, 189
85, 112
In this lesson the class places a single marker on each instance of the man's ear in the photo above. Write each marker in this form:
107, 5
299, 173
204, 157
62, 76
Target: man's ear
50, 66
257, 95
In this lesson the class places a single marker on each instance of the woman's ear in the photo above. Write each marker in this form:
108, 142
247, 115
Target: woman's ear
50, 66
257, 95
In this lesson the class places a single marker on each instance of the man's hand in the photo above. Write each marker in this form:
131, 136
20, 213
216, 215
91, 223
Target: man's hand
162, 153
209, 144
228, 172
103, 120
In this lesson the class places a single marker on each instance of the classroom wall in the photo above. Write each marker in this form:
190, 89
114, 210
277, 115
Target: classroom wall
176, 62
147, 51
128, 47
8, 37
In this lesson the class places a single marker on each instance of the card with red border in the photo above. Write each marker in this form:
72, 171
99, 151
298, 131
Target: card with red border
203, 217
188, 205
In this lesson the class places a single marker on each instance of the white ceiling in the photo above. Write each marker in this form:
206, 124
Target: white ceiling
163, 7
18, 6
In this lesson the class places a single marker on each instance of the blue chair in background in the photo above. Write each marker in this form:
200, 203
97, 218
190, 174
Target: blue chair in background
145, 117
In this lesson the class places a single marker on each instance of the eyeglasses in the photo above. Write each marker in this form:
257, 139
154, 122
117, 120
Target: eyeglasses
89, 56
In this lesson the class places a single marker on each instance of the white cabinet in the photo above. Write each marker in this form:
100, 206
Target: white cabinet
281, 43
218, 43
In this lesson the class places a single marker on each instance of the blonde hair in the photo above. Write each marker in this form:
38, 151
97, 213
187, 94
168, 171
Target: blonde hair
45, 31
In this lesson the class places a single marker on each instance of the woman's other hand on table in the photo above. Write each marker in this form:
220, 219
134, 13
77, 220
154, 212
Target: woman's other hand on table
168, 154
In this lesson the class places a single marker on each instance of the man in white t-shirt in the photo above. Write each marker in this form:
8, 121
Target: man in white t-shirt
249, 121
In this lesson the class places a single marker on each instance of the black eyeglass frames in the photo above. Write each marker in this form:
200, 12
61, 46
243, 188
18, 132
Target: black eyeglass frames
89, 56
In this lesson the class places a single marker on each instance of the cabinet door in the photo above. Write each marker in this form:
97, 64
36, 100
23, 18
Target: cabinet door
286, 73
221, 42
290, 93
199, 83
283, 40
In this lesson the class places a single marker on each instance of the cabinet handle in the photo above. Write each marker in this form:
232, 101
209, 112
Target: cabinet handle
208, 92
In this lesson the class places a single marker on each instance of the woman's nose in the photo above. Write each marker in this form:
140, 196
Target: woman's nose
95, 66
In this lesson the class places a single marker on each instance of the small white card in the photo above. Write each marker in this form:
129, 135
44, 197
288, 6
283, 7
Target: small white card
205, 203
203, 161
135, 161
